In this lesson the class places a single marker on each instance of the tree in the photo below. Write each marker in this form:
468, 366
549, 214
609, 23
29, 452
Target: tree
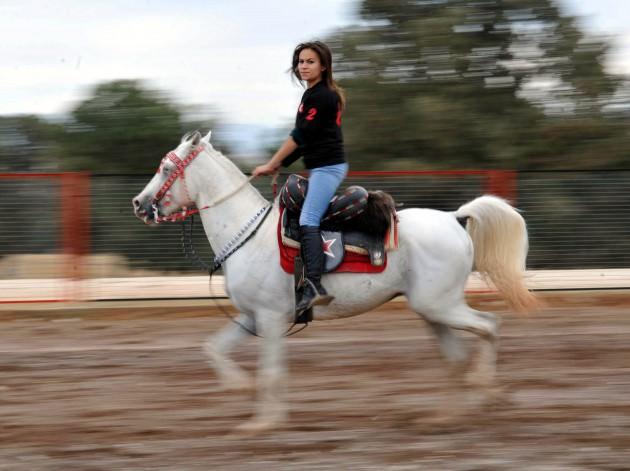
122, 127
28, 143
468, 83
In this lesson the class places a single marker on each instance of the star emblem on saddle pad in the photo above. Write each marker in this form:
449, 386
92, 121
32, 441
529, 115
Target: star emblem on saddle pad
327, 246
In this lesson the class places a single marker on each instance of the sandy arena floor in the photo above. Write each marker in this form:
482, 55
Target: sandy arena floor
109, 390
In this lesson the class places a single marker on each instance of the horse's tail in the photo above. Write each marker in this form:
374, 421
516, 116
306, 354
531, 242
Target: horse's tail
499, 236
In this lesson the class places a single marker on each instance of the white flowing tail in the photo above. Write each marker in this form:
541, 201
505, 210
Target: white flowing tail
500, 242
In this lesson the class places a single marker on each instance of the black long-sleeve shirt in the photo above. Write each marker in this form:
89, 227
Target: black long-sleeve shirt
317, 129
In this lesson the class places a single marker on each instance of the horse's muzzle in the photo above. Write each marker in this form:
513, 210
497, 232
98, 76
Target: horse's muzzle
143, 210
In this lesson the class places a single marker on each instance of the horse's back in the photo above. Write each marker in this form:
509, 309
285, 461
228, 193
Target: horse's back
434, 235
432, 224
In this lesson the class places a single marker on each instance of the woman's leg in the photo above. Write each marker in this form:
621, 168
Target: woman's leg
322, 185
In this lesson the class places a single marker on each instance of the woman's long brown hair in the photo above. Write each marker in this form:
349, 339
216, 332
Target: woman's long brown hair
325, 57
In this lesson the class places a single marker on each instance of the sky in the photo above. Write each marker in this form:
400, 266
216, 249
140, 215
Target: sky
230, 54
227, 55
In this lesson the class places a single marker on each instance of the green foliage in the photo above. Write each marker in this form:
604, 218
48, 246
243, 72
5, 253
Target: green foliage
122, 127
29, 143
464, 83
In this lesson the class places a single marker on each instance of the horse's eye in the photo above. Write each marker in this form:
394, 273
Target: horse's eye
166, 170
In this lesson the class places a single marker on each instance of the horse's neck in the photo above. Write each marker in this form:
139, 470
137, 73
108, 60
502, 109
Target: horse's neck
223, 221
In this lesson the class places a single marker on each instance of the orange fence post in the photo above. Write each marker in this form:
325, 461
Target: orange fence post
75, 221
502, 183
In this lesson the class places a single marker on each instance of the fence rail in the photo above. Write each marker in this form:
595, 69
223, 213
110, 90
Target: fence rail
202, 287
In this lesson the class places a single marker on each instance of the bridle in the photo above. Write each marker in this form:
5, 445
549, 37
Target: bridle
233, 245
181, 165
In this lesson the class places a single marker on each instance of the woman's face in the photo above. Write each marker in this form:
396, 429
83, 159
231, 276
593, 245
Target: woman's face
310, 67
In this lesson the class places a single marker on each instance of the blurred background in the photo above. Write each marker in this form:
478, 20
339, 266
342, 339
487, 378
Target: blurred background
447, 99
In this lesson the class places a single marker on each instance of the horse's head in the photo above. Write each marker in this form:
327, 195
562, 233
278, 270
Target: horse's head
167, 191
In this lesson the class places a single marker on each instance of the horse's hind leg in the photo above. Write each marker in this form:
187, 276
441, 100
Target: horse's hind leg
483, 369
218, 346
485, 326
452, 347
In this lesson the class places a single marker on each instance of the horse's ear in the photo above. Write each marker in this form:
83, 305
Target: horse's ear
195, 138
206, 138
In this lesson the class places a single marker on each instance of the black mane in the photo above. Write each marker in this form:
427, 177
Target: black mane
379, 213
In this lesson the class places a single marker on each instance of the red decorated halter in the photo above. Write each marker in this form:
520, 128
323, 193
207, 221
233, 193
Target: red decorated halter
179, 172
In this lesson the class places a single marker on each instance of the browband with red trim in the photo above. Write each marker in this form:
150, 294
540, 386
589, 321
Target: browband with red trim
181, 166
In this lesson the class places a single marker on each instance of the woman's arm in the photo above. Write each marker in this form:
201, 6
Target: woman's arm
271, 167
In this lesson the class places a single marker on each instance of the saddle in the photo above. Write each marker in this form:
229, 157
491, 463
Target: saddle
351, 239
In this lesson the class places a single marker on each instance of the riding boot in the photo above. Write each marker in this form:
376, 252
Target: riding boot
313, 293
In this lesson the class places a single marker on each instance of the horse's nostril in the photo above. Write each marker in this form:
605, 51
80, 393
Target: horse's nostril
136, 203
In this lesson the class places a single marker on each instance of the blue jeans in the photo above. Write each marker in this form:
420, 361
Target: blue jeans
322, 185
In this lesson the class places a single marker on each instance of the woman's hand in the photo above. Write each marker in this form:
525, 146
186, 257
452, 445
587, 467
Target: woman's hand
265, 169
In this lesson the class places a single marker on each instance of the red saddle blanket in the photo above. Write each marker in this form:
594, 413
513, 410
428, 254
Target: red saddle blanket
352, 262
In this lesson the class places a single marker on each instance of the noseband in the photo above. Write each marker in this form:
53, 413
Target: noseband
180, 172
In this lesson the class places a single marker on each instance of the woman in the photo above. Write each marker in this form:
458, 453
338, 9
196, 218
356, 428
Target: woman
317, 137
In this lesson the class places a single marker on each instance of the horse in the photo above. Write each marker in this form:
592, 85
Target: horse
436, 253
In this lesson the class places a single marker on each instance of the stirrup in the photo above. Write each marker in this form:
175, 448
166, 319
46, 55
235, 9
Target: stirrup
304, 317
317, 300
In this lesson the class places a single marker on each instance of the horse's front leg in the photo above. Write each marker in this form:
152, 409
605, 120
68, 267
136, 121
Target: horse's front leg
271, 382
231, 376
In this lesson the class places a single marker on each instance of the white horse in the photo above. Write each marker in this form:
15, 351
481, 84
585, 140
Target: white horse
430, 268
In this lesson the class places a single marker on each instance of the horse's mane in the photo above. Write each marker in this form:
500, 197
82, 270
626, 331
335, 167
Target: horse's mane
224, 160
225, 163
379, 214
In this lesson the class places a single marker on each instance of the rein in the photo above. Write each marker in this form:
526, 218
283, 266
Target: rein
185, 212
187, 244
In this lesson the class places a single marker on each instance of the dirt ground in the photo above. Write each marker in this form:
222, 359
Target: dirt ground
119, 390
